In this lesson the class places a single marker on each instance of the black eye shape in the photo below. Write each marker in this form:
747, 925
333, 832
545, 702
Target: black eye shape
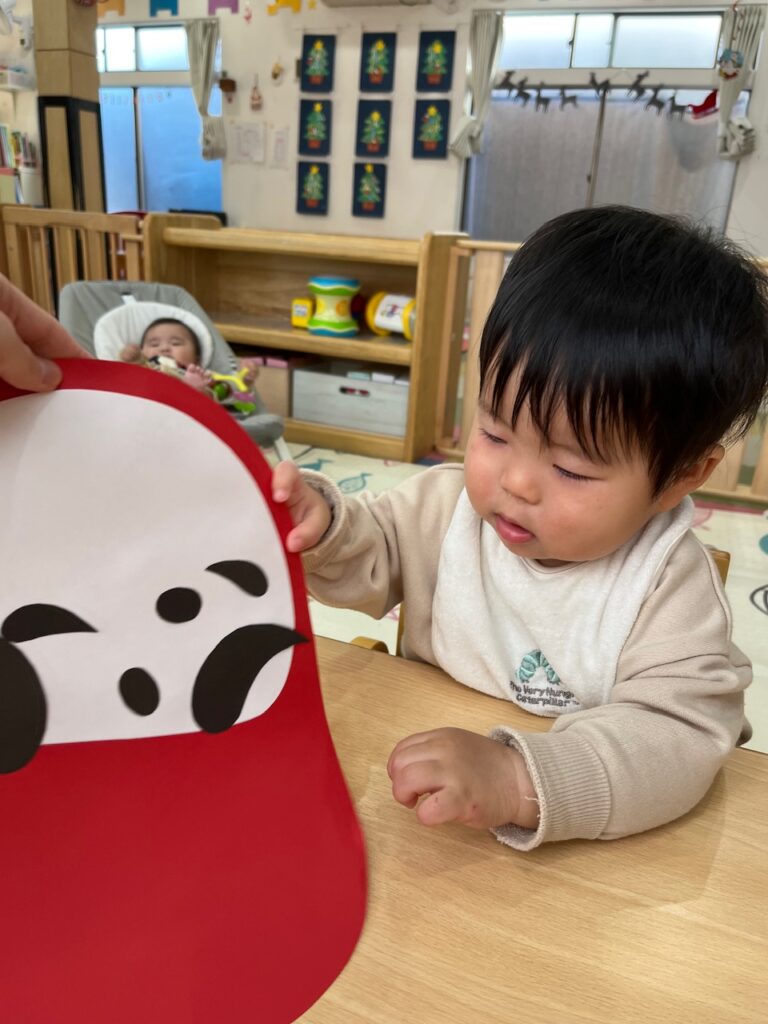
245, 575
35, 620
179, 604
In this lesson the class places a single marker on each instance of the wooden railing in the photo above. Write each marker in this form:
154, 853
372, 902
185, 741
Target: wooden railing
474, 274
46, 249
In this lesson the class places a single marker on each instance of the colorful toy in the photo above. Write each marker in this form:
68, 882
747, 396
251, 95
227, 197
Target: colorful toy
332, 315
301, 311
387, 313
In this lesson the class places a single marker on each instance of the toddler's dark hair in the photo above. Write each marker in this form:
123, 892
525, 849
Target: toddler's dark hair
172, 320
649, 331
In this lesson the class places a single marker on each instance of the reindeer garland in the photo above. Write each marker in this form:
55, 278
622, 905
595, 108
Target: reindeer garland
638, 90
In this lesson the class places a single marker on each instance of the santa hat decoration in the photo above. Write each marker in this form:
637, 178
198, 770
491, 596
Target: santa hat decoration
178, 843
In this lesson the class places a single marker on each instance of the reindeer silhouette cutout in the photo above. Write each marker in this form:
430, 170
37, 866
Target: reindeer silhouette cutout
637, 89
566, 100
542, 102
601, 88
521, 93
507, 83
675, 108
655, 102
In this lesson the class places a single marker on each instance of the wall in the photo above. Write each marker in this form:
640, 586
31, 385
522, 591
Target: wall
422, 195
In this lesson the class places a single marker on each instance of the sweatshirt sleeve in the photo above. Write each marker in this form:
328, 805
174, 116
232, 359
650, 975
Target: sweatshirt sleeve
675, 714
372, 549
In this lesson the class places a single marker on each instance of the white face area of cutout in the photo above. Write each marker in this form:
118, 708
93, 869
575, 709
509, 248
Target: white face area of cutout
108, 501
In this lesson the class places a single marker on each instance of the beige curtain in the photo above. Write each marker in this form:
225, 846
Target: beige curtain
484, 44
202, 40
742, 28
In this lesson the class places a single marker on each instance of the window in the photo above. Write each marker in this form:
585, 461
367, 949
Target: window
610, 40
149, 121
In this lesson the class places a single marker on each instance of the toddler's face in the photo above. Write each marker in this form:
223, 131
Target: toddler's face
551, 501
174, 340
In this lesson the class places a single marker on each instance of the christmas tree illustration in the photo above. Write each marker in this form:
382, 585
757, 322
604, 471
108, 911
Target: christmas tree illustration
316, 128
431, 130
317, 63
369, 189
435, 64
378, 61
312, 191
374, 131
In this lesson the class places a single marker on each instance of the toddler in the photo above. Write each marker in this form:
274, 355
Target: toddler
556, 568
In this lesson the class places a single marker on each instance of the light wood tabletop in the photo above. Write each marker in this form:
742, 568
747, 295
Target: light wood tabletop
670, 925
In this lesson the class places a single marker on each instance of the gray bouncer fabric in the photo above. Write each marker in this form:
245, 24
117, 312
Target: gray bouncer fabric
82, 303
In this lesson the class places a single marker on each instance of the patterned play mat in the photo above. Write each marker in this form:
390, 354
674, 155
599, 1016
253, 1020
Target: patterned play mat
742, 531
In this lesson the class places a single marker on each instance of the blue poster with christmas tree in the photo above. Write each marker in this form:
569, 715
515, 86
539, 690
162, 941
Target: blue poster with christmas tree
430, 129
369, 190
377, 62
434, 71
315, 128
373, 120
312, 188
317, 59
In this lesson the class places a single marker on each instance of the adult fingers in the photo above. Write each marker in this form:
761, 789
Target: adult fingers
20, 366
36, 328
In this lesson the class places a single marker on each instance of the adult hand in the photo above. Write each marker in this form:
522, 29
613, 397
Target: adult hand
463, 777
29, 340
309, 510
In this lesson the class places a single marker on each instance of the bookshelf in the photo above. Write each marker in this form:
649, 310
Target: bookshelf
20, 177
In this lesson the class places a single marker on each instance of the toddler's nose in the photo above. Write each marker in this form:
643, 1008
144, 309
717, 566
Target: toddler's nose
519, 480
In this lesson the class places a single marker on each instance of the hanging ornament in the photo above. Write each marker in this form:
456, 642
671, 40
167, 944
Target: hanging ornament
654, 102
277, 73
637, 89
567, 100
257, 101
601, 88
730, 63
542, 102
247, 14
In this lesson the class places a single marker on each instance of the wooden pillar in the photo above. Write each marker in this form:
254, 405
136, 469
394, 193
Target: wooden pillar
68, 105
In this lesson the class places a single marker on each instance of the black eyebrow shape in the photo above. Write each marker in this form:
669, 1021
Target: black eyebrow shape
35, 620
245, 575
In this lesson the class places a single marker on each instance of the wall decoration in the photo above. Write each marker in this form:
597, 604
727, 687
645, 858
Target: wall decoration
161, 721
294, 5
317, 58
215, 5
116, 6
377, 61
370, 188
434, 71
430, 129
171, 7
312, 188
315, 128
373, 121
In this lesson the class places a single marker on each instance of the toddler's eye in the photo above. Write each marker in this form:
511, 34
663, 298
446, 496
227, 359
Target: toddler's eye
493, 438
571, 476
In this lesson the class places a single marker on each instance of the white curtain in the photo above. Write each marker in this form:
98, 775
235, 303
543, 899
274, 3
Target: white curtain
202, 40
484, 44
742, 27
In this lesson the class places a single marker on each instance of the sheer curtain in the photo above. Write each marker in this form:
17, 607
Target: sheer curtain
202, 40
535, 164
484, 45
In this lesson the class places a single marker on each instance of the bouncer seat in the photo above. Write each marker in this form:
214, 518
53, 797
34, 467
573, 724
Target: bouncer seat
90, 310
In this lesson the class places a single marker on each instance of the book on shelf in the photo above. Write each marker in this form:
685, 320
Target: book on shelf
16, 148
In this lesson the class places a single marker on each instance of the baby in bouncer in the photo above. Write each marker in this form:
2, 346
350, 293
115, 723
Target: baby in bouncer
176, 342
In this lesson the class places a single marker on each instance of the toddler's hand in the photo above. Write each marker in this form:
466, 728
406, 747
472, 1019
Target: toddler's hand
468, 778
310, 512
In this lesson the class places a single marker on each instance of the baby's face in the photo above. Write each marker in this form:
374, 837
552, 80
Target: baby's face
174, 340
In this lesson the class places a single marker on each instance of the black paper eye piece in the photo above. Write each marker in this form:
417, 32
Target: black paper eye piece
245, 575
139, 691
35, 620
179, 604
22, 709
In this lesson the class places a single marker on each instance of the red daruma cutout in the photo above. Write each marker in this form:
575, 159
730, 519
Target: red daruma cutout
177, 843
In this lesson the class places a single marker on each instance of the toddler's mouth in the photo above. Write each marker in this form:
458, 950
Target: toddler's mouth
511, 532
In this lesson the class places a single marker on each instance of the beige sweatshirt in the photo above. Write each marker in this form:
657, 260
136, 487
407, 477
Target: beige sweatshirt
675, 711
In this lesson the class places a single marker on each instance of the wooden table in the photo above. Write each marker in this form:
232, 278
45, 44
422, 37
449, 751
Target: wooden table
668, 926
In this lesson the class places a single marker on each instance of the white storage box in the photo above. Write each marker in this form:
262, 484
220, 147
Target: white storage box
338, 400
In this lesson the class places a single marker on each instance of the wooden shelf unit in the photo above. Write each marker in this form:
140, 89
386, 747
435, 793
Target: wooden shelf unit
245, 279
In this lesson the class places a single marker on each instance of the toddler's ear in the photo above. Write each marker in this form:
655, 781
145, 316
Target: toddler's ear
692, 478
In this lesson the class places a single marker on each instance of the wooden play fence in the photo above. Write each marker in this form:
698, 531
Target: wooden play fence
475, 271
46, 249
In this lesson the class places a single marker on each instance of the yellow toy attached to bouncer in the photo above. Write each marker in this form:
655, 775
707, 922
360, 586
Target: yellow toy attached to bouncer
385, 314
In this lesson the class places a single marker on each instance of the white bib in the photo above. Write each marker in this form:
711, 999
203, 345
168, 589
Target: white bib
548, 639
